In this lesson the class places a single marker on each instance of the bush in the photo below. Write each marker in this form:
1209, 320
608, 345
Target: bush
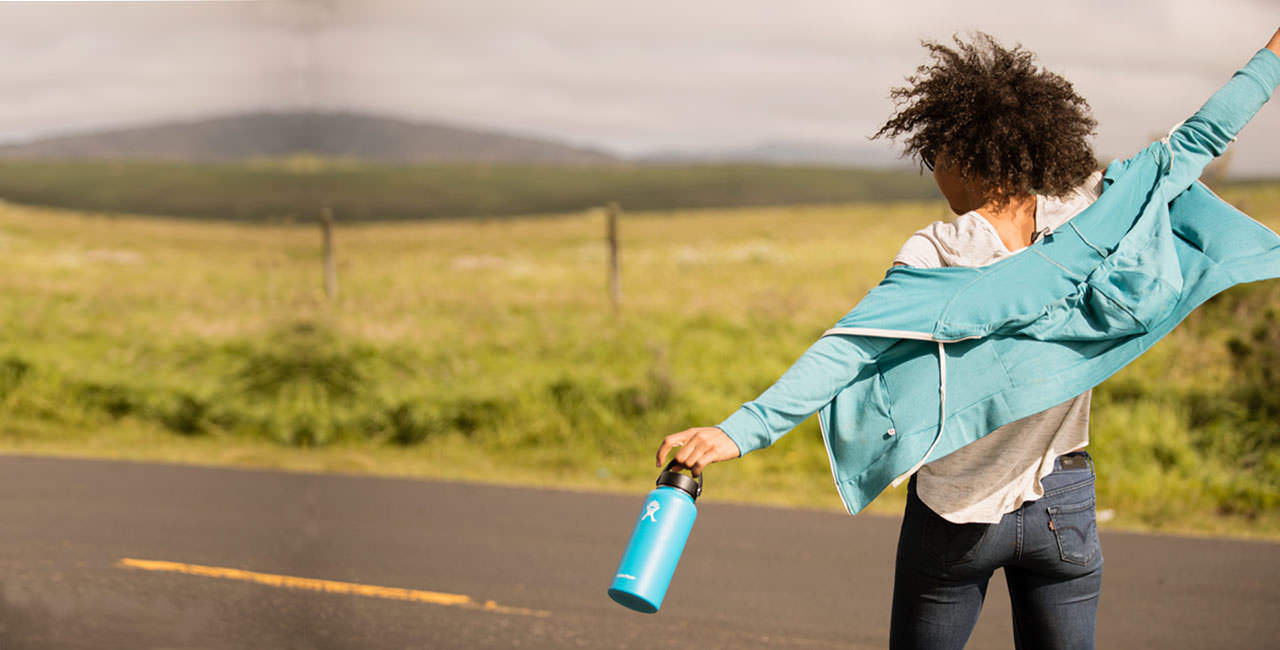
116, 400
187, 414
12, 372
302, 356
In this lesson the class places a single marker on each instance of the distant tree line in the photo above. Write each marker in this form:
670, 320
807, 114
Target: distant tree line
372, 192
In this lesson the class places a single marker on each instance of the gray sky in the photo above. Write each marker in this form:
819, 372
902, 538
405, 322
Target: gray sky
629, 76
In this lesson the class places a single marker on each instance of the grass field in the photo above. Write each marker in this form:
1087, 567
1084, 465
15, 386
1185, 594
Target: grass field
300, 187
487, 350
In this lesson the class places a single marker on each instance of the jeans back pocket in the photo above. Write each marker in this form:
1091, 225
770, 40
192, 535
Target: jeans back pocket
952, 543
1076, 528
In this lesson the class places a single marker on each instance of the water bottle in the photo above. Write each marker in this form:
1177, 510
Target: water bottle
657, 541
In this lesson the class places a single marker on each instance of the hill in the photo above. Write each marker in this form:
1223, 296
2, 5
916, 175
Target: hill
277, 134
787, 152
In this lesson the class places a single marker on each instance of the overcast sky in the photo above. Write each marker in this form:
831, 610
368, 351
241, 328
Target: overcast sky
628, 76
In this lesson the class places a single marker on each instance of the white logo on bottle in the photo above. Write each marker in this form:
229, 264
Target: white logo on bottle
650, 510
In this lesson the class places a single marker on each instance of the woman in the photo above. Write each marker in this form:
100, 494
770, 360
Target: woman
1007, 144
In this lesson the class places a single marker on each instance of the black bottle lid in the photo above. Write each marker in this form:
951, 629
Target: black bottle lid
684, 482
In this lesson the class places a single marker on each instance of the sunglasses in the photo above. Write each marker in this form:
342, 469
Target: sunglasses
927, 159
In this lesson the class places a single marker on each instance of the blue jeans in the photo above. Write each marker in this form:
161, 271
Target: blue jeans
1050, 553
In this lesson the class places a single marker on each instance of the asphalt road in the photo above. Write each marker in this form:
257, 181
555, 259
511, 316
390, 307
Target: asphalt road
751, 577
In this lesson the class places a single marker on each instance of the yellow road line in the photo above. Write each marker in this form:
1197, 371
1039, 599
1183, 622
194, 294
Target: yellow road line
329, 586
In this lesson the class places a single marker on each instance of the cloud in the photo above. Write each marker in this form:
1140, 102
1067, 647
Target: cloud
629, 76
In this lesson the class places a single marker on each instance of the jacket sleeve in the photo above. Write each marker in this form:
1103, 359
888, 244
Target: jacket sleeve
1205, 135
811, 382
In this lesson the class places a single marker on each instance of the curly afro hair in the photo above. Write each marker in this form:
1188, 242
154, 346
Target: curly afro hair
994, 115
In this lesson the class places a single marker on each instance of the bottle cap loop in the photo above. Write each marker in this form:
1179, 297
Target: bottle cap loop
690, 485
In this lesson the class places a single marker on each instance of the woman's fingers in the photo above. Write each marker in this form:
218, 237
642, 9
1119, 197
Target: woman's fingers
698, 460
673, 441
691, 452
696, 448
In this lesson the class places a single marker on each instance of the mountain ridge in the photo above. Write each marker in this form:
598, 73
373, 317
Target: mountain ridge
383, 138
257, 134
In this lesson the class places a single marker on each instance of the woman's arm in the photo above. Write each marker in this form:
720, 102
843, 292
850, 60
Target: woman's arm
1205, 135
811, 382
832, 362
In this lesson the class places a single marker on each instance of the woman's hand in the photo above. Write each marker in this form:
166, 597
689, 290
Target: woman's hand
699, 447
1274, 45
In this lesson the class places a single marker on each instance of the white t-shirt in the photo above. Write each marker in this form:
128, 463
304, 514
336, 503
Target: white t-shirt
982, 481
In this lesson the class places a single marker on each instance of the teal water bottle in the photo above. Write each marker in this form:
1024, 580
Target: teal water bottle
650, 560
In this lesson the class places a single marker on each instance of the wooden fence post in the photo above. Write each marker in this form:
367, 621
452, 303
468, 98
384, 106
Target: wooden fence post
611, 236
330, 265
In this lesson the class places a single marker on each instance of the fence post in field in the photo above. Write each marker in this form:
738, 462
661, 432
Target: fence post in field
611, 236
330, 266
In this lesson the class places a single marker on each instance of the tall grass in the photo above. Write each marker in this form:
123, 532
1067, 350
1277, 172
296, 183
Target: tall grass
488, 349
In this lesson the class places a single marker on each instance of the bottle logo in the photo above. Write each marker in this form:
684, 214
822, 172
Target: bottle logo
651, 509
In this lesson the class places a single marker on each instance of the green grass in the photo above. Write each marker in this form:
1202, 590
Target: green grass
300, 188
487, 350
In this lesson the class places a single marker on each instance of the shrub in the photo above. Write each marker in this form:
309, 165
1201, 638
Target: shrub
12, 372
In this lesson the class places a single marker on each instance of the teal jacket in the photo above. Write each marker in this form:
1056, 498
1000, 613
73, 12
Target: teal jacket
934, 359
